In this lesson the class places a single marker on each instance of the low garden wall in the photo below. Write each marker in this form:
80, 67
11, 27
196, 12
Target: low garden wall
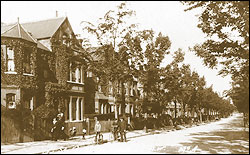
106, 126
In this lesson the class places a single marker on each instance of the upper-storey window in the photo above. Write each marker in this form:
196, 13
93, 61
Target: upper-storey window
75, 72
89, 74
9, 58
27, 65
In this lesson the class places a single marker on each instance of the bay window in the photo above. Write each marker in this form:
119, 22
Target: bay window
74, 109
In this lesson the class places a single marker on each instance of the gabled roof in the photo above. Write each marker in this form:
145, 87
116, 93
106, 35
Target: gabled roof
40, 29
17, 31
44, 28
41, 46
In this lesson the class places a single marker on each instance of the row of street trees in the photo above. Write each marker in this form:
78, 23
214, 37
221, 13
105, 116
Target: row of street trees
186, 87
126, 52
226, 24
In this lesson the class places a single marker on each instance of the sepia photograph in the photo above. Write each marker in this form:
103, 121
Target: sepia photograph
124, 77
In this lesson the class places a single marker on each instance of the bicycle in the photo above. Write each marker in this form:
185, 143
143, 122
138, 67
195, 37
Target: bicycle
111, 136
98, 139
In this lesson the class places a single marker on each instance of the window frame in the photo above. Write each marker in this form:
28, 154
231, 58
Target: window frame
77, 110
10, 95
28, 52
80, 68
5, 49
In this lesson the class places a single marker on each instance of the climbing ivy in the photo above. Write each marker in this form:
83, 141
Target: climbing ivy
19, 79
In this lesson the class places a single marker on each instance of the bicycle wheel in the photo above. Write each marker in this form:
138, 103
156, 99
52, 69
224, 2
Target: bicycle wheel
111, 137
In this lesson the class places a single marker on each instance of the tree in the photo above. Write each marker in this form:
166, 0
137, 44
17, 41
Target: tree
231, 50
156, 47
172, 79
125, 52
111, 33
187, 86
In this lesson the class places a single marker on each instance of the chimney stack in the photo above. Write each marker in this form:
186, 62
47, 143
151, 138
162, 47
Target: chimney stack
56, 13
18, 20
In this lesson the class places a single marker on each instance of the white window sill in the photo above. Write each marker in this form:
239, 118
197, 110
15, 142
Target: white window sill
10, 72
27, 74
75, 82
75, 121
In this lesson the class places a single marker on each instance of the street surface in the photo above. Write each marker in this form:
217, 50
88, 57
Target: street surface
224, 136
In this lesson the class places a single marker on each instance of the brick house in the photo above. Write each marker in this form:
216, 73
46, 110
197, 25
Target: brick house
107, 95
43, 72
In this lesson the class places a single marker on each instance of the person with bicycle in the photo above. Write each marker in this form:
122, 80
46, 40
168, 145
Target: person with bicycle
123, 126
98, 131
115, 129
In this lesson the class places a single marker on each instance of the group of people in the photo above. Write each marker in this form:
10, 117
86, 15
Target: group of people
57, 129
119, 129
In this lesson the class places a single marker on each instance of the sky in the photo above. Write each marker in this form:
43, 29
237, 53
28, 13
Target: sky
167, 17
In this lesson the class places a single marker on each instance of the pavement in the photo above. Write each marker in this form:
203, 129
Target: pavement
226, 136
48, 146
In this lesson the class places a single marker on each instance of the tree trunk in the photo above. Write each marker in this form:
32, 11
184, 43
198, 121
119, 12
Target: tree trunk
116, 112
123, 98
200, 114
184, 110
175, 109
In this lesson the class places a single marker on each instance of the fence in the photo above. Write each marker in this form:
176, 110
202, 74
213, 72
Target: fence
106, 126
11, 132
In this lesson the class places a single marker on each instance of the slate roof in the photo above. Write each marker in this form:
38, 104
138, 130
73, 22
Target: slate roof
41, 46
40, 29
33, 31
17, 31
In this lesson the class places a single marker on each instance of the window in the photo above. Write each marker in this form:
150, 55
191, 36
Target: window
131, 90
79, 109
8, 54
45, 74
110, 89
75, 109
89, 74
27, 66
10, 60
28, 102
127, 88
10, 100
67, 109
75, 72
99, 88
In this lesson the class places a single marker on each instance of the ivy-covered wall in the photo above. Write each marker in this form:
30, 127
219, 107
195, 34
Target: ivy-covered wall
23, 81
90, 87
49, 80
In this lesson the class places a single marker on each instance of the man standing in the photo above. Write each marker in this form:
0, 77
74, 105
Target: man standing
84, 130
98, 130
53, 130
115, 129
123, 126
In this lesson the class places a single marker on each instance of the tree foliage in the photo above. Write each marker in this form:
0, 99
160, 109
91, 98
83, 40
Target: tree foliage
226, 24
125, 52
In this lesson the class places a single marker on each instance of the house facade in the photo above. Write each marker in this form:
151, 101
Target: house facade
43, 72
107, 95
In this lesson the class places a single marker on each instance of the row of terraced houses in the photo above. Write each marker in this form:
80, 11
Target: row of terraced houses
43, 75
